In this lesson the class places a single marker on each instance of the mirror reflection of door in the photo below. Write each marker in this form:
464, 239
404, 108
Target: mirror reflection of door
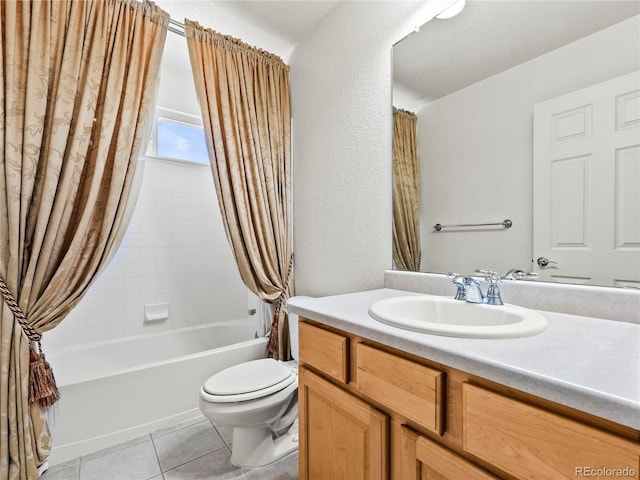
587, 185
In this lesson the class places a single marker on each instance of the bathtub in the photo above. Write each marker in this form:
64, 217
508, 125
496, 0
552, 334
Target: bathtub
115, 391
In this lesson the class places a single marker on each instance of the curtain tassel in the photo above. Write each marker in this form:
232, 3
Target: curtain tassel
273, 344
42, 382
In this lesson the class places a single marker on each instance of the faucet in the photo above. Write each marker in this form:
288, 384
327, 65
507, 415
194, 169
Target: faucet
519, 274
513, 273
469, 289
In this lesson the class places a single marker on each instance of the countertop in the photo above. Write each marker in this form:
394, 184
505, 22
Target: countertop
586, 363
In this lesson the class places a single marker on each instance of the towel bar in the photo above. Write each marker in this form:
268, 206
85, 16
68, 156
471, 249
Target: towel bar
505, 223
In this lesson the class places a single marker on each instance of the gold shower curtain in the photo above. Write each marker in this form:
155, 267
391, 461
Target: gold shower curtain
244, 99
406, 192
77, 87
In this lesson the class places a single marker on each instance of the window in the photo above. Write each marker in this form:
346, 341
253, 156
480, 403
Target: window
178, 136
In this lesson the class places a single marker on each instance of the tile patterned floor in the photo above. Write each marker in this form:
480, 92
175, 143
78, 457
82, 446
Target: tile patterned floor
192, 451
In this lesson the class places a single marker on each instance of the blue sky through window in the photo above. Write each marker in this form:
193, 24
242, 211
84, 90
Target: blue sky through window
181, 141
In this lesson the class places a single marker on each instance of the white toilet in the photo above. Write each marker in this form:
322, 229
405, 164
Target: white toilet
259, 399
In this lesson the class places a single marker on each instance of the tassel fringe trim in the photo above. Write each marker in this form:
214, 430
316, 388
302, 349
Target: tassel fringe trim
42, 382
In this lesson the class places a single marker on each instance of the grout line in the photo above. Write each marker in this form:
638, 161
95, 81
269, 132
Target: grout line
224, 444
222, 436
155, 450
194, 459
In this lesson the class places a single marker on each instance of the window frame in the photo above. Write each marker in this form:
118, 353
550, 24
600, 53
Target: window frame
178, 117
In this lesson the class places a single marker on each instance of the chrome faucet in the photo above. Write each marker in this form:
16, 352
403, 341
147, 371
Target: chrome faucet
519, 274
459, 281
469, 288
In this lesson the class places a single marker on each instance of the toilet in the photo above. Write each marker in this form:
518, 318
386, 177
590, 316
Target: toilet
259, 400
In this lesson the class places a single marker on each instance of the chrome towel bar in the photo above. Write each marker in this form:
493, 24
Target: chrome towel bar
505, 223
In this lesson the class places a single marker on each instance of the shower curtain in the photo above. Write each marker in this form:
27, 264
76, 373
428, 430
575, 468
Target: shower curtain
77, 87
406, 192
244, 99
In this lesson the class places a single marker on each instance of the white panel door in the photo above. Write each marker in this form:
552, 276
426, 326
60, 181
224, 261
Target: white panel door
586, 185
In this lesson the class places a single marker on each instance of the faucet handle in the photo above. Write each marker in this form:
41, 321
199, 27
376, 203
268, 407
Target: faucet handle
525, 275
493, 292
488, 275
518, 274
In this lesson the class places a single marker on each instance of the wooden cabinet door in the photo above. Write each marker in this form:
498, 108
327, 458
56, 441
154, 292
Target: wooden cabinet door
424, 459
341, 437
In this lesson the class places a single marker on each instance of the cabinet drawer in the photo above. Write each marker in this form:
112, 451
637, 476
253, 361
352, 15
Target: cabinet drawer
324, 350
407, 387
531, 443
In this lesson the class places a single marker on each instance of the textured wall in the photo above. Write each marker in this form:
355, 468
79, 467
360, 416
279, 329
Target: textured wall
341, 94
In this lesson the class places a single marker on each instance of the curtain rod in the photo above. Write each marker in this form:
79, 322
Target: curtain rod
178, 29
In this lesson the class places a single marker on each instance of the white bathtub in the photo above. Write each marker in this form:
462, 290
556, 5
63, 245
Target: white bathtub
115, 391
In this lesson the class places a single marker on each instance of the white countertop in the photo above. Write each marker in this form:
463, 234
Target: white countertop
586, 363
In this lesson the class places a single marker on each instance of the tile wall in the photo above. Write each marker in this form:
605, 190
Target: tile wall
174, 251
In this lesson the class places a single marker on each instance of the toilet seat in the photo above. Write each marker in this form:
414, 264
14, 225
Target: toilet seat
248, 381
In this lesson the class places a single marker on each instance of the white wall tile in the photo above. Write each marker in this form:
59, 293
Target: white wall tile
174, 251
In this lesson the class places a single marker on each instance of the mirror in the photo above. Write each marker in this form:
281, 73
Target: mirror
473, 81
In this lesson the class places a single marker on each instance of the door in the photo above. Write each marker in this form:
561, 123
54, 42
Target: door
424, 459
341, 436
586, 191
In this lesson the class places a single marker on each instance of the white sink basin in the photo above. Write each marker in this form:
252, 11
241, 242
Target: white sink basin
454, 318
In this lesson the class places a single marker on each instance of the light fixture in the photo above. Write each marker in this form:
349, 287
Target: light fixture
451, 11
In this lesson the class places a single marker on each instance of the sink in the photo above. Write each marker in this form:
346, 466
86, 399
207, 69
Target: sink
454, 318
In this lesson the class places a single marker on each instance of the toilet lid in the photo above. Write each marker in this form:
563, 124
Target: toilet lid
249, 377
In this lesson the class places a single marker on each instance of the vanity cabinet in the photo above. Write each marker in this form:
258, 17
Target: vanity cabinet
368, 411
342, 435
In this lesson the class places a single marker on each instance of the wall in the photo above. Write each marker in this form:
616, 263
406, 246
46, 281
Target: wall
175, 249
341, 100
476, 150
224, 17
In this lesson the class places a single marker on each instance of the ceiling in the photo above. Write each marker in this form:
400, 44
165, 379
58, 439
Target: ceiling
291, 20
490, 36
274, 25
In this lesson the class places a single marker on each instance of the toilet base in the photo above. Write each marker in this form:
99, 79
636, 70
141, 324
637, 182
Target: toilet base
256, 447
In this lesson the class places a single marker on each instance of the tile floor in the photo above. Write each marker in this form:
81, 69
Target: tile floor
191, 451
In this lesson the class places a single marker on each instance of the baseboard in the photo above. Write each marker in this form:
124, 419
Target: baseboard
64, 453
